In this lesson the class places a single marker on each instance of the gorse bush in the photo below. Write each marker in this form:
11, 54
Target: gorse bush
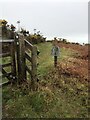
8, 32
33, 38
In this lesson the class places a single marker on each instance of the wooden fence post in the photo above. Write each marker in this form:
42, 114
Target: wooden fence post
21, 58
13, 62
34, 67
17, 56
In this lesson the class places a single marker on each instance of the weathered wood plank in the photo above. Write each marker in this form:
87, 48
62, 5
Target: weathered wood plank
4, 72
17, 57
29, 45
29, 71
7, 41
5, 75
5, 83
13, 62
34, 67
34, 61
5, 65
5, 54
22, 72
28, 57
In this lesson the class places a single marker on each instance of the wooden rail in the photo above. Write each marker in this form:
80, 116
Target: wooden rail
5, 54
5, 65
28, 44
28, 70
7, 41
28, 57
6, 74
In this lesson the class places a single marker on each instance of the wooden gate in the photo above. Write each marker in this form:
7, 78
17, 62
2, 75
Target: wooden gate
23, 46
9, 52
19, 48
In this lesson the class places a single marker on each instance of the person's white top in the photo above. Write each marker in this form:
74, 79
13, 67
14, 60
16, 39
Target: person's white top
55, 51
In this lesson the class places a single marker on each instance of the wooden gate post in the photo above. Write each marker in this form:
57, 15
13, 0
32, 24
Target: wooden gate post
17, 56
13, 62
21, 58
34, 67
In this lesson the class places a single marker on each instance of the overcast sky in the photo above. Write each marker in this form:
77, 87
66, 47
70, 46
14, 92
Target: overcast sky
52, 18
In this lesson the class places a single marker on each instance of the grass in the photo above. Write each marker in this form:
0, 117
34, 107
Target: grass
46, 60
58, 96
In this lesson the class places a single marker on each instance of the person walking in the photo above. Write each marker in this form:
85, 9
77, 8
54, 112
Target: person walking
55, 51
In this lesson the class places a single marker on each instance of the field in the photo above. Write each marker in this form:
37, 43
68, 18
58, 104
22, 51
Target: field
62, 92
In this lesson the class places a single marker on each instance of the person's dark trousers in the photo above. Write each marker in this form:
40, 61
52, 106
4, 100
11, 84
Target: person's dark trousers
55, 61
